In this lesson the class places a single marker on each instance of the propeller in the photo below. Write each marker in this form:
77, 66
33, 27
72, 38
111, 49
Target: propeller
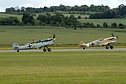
54, 36
114, 35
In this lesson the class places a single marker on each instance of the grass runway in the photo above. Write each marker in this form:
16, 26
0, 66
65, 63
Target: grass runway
25, 34
87, 67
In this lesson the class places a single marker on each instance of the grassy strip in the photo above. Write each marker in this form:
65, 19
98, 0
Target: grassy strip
95, 67
26, 34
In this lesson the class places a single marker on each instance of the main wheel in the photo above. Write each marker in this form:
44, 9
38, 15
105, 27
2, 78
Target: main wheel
17, 50
49, 49
107, 47
44, 50
111, 47
83, 48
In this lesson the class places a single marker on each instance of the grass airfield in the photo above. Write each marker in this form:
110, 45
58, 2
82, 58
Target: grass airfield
84, 67
81, 67
64, 36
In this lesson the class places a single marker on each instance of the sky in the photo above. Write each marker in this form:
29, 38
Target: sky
41, 3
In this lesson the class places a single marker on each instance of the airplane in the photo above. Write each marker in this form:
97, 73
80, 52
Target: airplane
101, 42
36, 44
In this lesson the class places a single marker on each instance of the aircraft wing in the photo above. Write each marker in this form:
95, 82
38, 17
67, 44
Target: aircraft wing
95, 42
106, 42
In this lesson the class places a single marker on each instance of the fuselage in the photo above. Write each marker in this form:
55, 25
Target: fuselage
100, 42
33, 45
39, 44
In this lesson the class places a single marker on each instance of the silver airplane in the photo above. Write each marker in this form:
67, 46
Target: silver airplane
36, 44
101, 42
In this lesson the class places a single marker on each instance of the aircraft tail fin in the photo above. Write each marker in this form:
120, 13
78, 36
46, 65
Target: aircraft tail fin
81, 44
15, 46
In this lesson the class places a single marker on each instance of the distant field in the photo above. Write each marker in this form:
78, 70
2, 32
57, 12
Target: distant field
25, 34
76, 15
101, 21
12, 15
88, 67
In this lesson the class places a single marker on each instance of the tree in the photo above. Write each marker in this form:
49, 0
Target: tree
54, 8
84, 8
23, 9
98, 26
27, 18
104, 15
79, 17
10, 10
122, 10
63, 24
9, 21
121, 25
105, 25
114, 25
62, 7
42, 18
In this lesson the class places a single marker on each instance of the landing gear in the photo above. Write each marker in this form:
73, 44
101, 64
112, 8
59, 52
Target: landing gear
46, 48
83, 48
111, 47
49, 49
17, 50
107, 46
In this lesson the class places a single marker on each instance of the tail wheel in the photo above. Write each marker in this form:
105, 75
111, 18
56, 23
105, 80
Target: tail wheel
49, 49
44, 50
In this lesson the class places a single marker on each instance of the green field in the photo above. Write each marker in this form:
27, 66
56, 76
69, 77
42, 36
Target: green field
101, 21
10, 15
64, 36
88, 67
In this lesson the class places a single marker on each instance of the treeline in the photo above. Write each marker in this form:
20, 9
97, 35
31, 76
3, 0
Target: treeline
119, 12
68, 9
45, 17
104, 25
94, 12
57, 19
